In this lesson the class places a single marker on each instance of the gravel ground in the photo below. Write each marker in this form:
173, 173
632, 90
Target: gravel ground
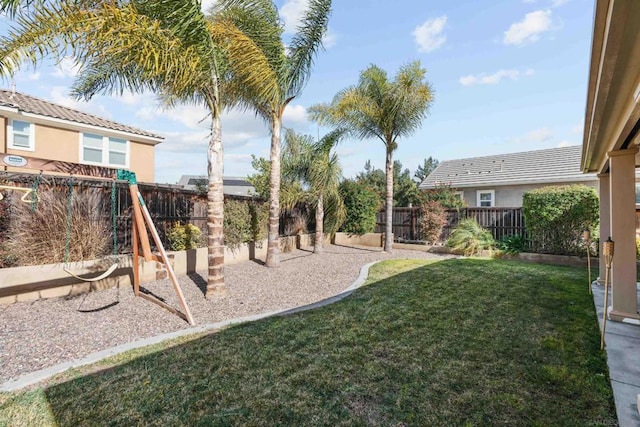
43, 333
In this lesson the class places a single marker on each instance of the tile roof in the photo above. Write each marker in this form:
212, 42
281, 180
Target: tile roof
33, 105
529, 167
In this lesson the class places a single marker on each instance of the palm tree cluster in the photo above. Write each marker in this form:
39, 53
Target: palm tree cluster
231, 56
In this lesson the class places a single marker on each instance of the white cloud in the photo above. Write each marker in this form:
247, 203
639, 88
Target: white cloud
206, 4
566, 143
33, 76
428, 36
529, 1
558, 3
67, 67
291, 14
295, 114
540, 135
329, 39
494, 78
529, 29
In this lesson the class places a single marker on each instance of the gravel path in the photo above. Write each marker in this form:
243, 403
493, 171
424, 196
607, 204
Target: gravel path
43, 333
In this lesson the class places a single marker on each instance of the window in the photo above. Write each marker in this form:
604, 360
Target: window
486, 198
104, 150
460, 194
21, 135
637, 193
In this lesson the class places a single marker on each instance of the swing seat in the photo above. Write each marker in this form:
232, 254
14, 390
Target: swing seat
104, 275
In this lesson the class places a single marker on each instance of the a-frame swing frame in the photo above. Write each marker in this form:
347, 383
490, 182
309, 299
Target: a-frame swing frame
141, 220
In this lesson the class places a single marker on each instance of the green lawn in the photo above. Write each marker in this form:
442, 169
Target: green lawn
456, 342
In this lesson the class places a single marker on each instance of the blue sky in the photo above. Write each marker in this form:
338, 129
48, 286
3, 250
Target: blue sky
508, 76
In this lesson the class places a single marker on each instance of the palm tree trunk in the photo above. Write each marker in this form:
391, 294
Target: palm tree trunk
216, 287
319, 242
273, 248
388, 233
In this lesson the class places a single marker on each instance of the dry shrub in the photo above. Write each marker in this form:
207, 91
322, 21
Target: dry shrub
432, 221
38, 236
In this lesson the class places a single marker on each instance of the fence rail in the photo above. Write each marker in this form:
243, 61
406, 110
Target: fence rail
500, 221
167, 204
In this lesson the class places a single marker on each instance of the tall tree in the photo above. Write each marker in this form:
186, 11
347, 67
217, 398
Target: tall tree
405, 189
317, 168
426, 168
165, 46
381, 108
289, 70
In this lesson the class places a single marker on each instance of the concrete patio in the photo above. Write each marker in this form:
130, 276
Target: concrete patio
622, 343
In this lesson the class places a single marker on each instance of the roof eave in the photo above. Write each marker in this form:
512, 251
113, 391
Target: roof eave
152, 140
612, 114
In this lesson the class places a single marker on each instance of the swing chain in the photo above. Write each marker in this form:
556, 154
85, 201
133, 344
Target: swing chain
34, 191
114, 222
67, 241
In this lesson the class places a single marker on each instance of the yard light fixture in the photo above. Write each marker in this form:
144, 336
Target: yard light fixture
607, 252
586, 236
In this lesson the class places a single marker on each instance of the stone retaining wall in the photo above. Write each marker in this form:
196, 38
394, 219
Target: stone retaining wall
30, 283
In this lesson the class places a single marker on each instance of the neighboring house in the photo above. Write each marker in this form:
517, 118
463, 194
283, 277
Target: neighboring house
234, 186
502, 180
31, 126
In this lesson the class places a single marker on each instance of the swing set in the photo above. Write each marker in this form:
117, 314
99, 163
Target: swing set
142, 224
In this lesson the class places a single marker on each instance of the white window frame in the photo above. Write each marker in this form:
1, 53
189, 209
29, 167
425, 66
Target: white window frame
493, 198
460, 194
105, 151
32, 136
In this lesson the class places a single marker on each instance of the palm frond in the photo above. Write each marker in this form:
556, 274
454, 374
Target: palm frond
305, 44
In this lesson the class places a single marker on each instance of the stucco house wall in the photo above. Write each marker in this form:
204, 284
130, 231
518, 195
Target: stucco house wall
510, 196
57, 134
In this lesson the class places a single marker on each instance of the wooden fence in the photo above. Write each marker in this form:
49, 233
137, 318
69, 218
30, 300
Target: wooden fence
167, 204
500, 221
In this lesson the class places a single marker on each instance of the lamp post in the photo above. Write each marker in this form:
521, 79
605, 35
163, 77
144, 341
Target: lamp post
607, 252
586, 235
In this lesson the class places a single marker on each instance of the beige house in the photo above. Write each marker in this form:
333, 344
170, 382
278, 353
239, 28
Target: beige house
31, 126
611, 139
502, 180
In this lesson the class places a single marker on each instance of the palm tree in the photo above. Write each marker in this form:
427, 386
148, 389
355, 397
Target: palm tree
290, 68
166, 46
318, 169
379, 108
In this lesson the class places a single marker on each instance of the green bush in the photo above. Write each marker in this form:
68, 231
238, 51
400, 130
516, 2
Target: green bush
361, 204
513, 244
555, 217
244, 221
446, 195
182, 237
237, 223
470, 238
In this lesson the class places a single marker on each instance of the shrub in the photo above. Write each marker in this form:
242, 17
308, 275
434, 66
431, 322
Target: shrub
470, 238
244, 222
237, 223
555, 217
446, 195
513, 244
182, 237
259, 212
39, 236
361, 204
432, 220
